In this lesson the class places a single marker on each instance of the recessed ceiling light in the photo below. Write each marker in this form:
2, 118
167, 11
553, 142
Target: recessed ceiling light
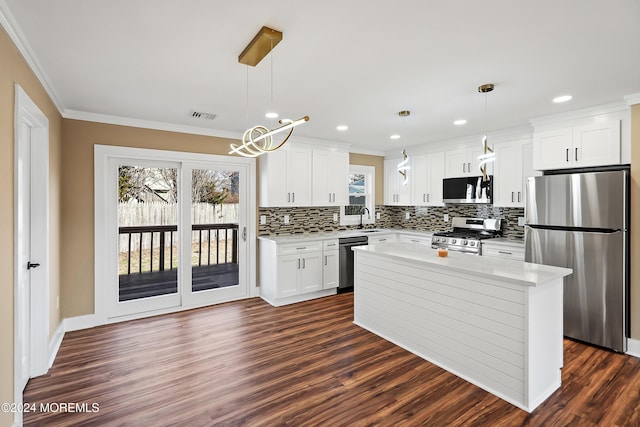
271, 115
563, 98
395, 136
342, 127
460, 122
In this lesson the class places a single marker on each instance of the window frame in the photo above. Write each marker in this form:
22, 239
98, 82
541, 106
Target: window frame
369, 173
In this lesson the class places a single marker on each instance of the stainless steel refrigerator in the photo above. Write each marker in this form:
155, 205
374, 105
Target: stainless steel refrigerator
580, 221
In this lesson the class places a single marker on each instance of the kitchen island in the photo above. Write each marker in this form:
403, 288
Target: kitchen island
496, 323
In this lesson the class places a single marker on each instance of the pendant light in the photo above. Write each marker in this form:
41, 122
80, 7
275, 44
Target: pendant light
258, 140
403, 166
487, 155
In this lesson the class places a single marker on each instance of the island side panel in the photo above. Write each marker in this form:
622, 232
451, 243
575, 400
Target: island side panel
470, 326
544, 341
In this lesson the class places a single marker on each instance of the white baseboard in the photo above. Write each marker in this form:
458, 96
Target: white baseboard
633, 347
54, 343
80, 322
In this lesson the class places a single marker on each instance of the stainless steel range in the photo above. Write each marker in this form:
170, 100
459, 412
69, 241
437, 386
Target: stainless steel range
467, 234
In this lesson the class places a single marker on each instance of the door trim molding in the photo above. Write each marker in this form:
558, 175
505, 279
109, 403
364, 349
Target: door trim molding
102, 154
27, 112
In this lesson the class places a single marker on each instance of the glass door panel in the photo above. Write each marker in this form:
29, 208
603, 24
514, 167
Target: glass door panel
215, 196
147, 241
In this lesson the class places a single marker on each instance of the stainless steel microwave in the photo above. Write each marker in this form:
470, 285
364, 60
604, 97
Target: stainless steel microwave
470, 189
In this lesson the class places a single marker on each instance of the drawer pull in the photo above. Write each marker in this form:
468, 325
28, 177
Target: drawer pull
505, 252
415, 241
382, 240
331, 244
304, 247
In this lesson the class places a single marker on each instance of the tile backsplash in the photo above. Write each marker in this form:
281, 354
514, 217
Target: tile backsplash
320, 219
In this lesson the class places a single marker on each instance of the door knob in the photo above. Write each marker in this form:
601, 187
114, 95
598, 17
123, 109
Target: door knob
32, 265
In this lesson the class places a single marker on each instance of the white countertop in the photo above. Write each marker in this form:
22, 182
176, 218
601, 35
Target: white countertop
512, 270
292, 238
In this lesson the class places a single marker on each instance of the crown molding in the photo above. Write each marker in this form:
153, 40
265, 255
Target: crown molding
366, 151
148, 124
614, 107
18, 38
632, 99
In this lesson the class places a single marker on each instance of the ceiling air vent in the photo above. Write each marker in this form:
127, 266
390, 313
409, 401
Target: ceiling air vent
201, 115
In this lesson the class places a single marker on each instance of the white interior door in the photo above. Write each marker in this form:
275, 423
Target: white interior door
23, 225
31, 244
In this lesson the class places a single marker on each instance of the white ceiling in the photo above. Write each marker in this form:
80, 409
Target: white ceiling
355, 62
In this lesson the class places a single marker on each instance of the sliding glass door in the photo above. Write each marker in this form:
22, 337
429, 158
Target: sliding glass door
178, 233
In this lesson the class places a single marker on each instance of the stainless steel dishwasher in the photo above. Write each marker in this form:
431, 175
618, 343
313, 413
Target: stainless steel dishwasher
346, 260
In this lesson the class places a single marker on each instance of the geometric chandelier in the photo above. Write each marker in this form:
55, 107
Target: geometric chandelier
258, 140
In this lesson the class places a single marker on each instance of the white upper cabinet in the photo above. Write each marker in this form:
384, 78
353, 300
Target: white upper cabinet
395, 192
427, 172
330, 178
593, 144
464, 162
513, 164
299, 175
285, 177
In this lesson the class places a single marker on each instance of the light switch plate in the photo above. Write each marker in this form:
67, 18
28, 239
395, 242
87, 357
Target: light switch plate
377, 215
521, 221
286, 219
335, 217
446, 217
263, 219
407, 215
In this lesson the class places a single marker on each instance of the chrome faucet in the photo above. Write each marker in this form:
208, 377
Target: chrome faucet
364, 208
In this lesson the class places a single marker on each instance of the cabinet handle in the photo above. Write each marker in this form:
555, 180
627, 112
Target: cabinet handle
505, 253
298, 263
331, 244
329, 197
576, 154
293, 198
567, 155
469, 167
424, 197
519, 196
288, 197
303, 263
382, 240
512, 194
428, 197
334, 197
304, 247
415, 241
325, 260
464, 168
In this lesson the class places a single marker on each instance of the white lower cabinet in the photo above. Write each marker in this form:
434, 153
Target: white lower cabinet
294, 272
503, 250
331, 264
424, 240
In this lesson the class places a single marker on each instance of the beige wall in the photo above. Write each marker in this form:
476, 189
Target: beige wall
378, 163
77, 196
635, 222
13, 69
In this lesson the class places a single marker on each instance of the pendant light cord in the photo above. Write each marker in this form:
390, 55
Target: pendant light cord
247, 125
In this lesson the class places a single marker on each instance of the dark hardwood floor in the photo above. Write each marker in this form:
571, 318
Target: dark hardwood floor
306, 364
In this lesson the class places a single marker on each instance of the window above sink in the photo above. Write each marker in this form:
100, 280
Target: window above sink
361, 196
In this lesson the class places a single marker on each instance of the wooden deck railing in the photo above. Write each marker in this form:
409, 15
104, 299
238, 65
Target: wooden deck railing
222, 235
